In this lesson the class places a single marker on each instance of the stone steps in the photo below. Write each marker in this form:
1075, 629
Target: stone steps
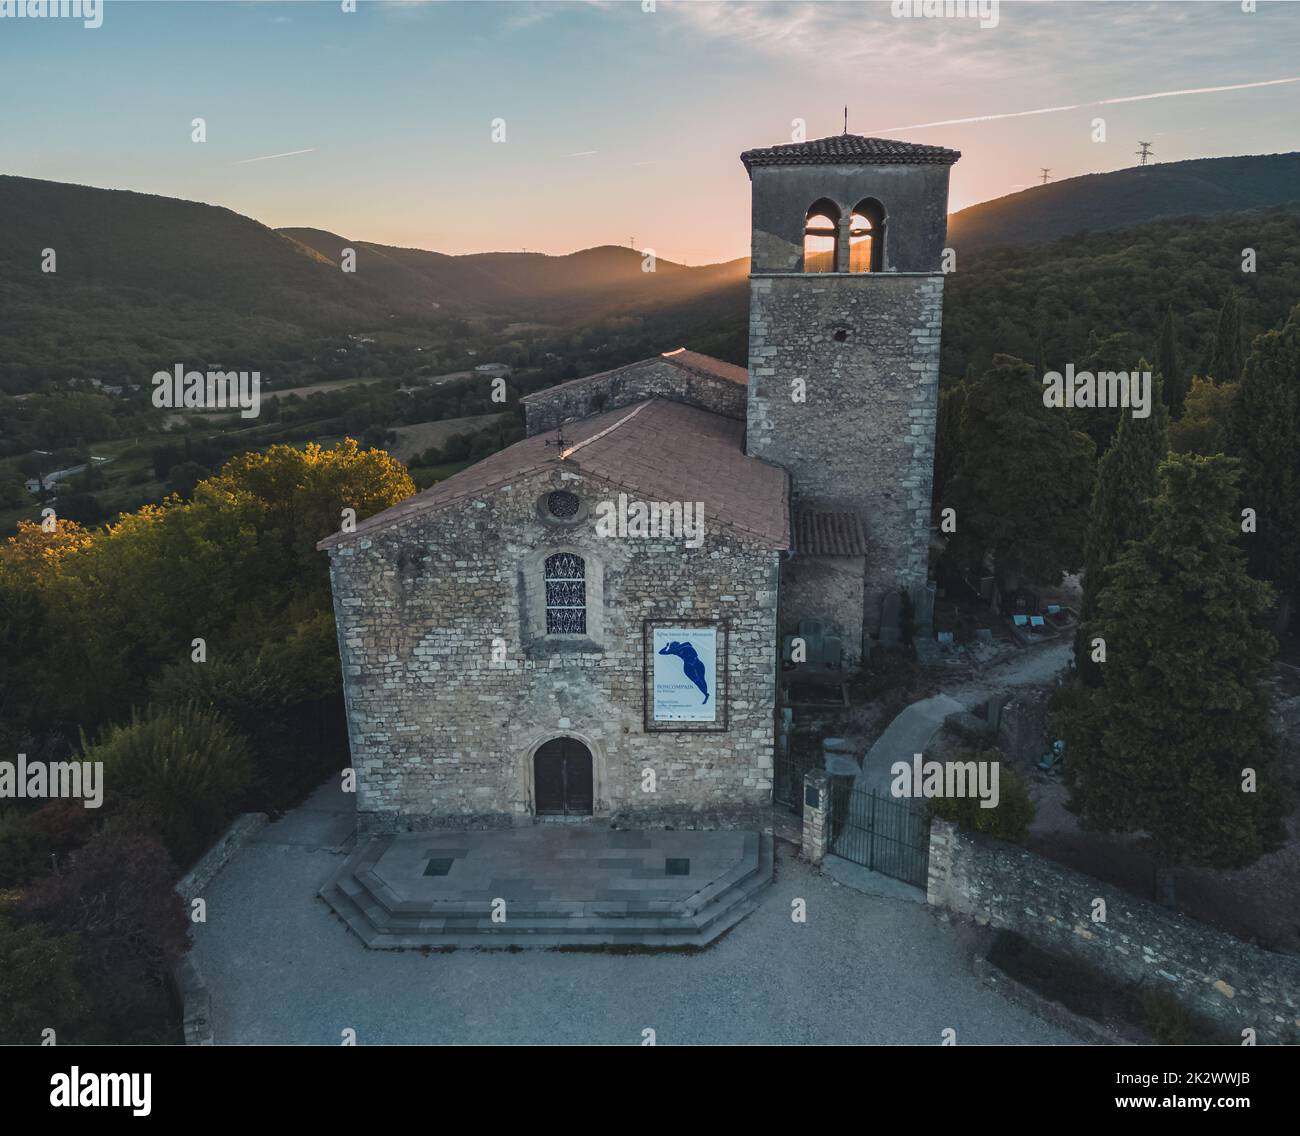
381, 920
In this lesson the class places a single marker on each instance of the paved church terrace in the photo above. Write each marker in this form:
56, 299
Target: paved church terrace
550, 885
863, 969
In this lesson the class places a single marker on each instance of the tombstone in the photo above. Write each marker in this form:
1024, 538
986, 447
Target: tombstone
891, 619
993, 710
832, 653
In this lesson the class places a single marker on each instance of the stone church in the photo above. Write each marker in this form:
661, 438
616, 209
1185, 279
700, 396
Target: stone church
589, 623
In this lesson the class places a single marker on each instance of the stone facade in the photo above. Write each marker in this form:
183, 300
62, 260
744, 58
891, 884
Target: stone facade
863, 438
443, 732
652, 378
1233, 983
827, 589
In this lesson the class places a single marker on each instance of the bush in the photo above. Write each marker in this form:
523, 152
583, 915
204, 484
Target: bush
30, 838
1008, 820
184, 765
23, 855
276, 703
117, 897
39, 988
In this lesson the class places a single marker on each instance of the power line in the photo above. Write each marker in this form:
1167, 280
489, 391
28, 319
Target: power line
1144, 153
1047, 173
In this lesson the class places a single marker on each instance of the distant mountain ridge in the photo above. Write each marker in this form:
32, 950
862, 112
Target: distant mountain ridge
1124, 198
145, 281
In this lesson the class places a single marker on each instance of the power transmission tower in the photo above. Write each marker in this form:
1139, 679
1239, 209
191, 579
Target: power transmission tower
1047, 173
1144, 153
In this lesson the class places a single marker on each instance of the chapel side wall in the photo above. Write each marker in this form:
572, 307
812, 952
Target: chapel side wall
441, 735
582, 398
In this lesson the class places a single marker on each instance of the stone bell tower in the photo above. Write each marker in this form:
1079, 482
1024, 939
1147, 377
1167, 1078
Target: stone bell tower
845, 302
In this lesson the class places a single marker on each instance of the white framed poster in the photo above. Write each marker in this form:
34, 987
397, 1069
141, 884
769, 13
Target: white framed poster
685, 681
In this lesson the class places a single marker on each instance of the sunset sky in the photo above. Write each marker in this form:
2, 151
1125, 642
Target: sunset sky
621, 124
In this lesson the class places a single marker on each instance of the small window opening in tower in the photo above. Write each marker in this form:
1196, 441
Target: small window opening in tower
821, 235
866, 237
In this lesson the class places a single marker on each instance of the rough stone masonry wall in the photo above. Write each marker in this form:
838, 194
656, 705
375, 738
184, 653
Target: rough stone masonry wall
442, 735
864, 439
582, 398
828, 589
1231, 982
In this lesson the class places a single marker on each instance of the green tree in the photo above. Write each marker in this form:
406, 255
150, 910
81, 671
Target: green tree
1207, 410
1022, 480
1175, 386
1159, 744
1264, 433
1121, 500
1226, 354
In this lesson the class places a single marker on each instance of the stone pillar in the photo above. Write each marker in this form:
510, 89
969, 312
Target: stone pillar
816, 815
943, 838
842, 244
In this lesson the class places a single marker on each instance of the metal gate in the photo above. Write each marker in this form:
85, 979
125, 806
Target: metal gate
881, 833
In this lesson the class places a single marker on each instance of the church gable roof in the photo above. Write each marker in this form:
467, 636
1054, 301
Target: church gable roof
850, 149
657, 450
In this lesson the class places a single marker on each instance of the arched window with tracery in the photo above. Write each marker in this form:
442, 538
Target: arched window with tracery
821, 236
565, 575
866, 236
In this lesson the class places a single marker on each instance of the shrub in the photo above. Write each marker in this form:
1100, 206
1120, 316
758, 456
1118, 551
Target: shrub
1008, 820
30, 838
184, 764
23, 855
39, 988
275, 702
117, 897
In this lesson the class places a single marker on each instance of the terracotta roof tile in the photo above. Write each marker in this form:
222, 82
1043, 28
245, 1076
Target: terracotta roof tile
657, 450
850, 148
829, 534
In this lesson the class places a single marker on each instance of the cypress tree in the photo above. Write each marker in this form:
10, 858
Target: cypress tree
1226, 355
1167, 356
1264, 432
1161, 743
1121, 501
1021, 482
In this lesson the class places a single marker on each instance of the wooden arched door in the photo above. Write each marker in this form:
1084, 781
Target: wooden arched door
562, 778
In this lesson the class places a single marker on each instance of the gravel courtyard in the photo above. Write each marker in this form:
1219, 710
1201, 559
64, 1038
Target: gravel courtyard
282, 968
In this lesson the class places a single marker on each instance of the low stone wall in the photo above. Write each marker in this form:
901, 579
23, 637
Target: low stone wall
191, 992
241, 831
1230, 982
195, 1002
